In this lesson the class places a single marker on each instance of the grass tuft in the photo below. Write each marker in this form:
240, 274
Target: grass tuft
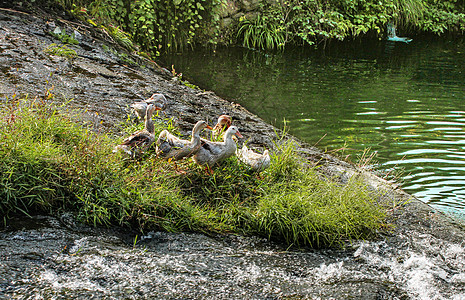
49, 164
60, 50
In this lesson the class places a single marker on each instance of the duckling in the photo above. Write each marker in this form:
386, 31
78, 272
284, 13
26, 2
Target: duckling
256, 161
211, 153
140, 107
170, 146
141, 140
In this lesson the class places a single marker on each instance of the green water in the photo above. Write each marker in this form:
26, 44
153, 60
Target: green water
406, 102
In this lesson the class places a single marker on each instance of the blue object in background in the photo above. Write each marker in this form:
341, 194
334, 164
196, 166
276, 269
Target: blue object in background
391, 29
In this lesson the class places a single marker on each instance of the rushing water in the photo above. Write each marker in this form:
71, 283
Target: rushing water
406, 102
42, 259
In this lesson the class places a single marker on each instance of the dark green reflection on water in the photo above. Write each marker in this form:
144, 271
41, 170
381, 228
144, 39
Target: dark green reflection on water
405, 101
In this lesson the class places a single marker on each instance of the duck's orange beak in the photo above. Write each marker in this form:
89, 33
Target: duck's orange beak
158, 108
209, 127
239, 135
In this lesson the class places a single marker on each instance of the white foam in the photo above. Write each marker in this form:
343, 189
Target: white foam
416, 265
331, 271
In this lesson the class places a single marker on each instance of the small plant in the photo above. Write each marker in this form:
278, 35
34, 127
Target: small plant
60, 50
63, 37
262, 33
122, 38
178, 77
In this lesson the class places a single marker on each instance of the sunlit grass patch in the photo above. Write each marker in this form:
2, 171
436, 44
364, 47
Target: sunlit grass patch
60, 50
316, 212
48, 162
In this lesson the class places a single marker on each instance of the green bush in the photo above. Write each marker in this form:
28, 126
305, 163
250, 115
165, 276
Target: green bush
310, 22
262, 33
156, 25
161, 26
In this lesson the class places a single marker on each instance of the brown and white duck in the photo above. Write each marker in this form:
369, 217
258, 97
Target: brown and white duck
211, 153
223, 123
141, 140
140, 107
170, 146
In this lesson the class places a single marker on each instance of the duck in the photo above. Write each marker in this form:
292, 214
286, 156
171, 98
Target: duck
256, 161
172, 147
140, 107
223, 123
211, 153
141, 140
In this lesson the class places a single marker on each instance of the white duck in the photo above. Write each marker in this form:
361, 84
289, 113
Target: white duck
140, 107
141, 140
256, 161
211, 153
170, 146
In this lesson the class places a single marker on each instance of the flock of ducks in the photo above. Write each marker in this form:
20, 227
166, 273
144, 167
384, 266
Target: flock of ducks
204, 152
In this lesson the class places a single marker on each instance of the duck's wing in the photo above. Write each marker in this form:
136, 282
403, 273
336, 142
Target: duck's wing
133, 137
187, 151
214, 148
164, 143
203, 156
256, 161
138, 139
170, 146
136, 143
246, 155
264, 162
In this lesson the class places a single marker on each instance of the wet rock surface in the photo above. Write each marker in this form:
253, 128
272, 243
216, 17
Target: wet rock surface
44, 258
422, 256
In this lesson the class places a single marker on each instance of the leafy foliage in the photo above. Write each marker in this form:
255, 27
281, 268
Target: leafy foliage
156, 25
314, 21
172, 25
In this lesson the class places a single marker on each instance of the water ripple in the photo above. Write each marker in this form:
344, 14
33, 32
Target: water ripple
424, 161
399, 105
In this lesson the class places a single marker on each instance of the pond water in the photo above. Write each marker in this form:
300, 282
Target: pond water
404, 102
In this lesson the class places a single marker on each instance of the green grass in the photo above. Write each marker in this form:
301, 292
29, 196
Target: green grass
49, 164
261, 33
60, 50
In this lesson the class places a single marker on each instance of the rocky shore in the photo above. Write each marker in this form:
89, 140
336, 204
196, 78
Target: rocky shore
102, 80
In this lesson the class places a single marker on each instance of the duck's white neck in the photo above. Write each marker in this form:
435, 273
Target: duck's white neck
195, 133
228, 137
